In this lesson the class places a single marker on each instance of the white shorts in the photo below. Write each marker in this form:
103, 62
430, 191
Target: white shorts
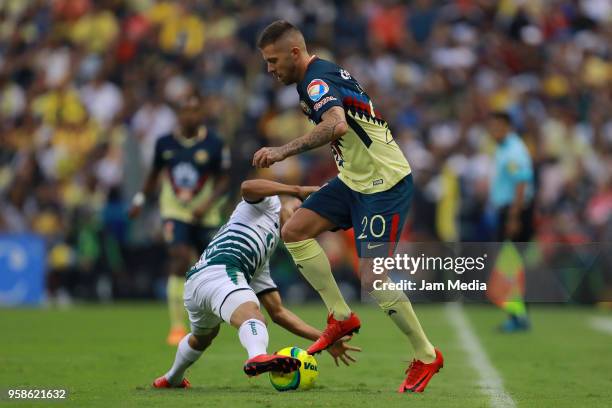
214, 293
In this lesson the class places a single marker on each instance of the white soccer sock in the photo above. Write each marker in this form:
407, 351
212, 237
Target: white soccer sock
253, 336
185, 356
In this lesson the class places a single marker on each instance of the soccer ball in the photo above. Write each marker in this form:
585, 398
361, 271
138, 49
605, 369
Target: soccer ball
302, 379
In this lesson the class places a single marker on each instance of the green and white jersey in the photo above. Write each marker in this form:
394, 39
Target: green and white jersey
246, 241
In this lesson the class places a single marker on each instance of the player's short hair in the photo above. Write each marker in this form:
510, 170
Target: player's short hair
273, 32
193, 94
501, 115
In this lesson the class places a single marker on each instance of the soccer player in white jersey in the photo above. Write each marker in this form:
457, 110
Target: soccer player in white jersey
232, 277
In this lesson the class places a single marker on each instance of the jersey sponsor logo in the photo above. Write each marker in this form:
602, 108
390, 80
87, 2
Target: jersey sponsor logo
305, 108
185, 175
324, 101
184, 180
344, 74
316, 89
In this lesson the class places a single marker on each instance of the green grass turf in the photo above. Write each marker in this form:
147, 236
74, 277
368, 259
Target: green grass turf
108, 355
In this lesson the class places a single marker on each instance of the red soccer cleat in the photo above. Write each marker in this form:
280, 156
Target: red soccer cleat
270, 362
335, 330
162, 382
420, 373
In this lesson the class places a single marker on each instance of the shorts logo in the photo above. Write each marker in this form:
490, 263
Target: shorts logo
305, 108
377, 182
316, 89
323, 101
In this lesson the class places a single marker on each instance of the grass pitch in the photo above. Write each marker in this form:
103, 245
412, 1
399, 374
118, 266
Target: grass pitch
107, 356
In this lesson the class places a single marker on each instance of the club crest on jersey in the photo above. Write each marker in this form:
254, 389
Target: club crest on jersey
201, 156
316, 89
305, 107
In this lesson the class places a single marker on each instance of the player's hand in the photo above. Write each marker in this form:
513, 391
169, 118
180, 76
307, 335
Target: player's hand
137, 204
199, 212
339, 351
267, 156
134, 211
305, 191
513, 226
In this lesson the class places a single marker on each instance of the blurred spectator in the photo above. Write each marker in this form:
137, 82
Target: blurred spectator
85, 88
96, 30
181, 31
154, 119
102, 98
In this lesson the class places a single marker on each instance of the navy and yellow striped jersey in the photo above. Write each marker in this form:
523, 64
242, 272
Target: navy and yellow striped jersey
189, 169
367, 157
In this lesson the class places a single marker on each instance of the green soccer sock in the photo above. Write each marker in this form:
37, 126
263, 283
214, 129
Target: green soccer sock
314, 265
174, 295
396, 305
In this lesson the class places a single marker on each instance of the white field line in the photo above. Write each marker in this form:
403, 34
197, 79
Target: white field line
490, 382
601, 324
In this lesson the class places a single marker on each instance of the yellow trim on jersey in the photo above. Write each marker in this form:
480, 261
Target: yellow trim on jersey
172, 207
374, 169
188, 142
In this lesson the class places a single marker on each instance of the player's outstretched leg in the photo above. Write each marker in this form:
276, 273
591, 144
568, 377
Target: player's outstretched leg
180, 260
298, 234
427, 360
189, 350
253, 335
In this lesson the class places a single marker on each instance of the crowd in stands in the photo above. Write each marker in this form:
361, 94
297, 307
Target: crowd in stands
87, 87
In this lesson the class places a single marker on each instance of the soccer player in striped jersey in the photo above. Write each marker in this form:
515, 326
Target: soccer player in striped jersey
231, 280
371, 193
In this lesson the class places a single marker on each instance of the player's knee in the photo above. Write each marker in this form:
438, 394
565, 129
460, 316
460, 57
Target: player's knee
180, 259
246, 311
202, 341
292, 232
253, 312
366, 276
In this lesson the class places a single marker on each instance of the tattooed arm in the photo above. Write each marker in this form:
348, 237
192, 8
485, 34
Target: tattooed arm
332, 127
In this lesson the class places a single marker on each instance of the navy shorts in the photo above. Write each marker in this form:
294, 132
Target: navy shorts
179, 232
377, 218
